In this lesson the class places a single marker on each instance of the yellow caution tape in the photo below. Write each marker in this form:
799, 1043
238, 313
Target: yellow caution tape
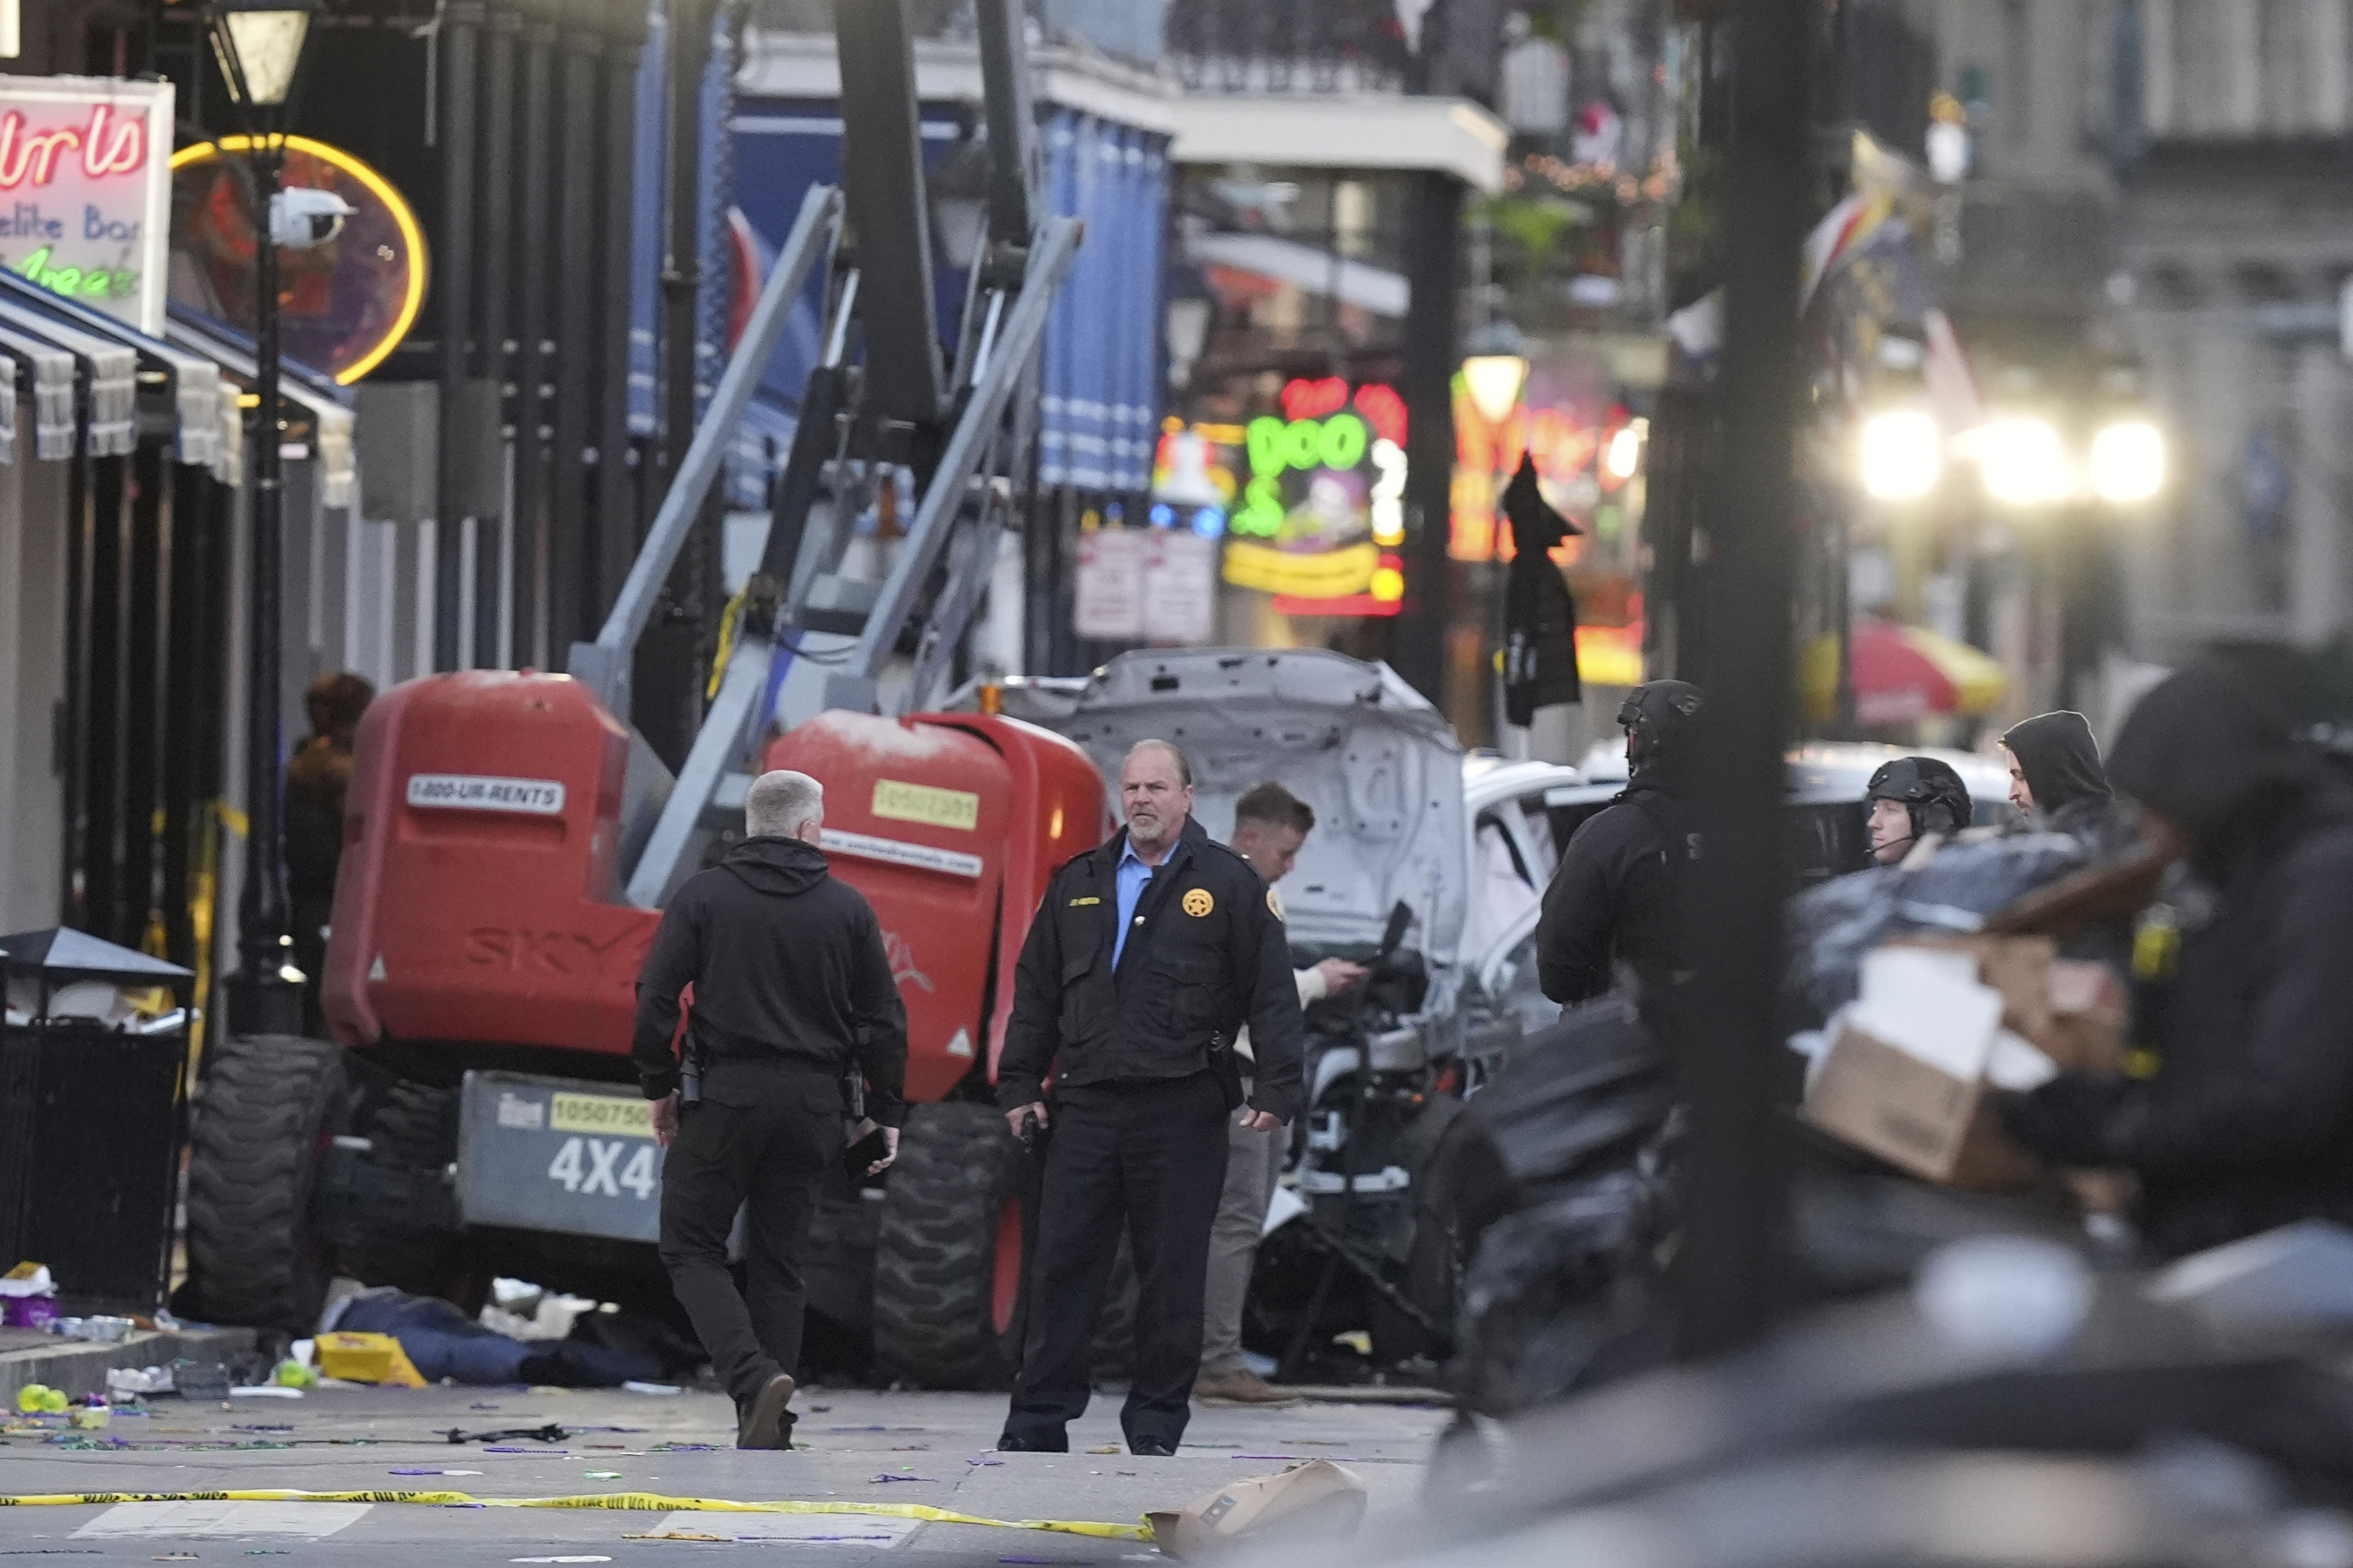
643, 1502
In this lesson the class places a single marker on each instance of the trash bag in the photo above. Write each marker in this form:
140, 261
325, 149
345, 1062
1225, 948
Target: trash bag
1558, 1184
1833, 924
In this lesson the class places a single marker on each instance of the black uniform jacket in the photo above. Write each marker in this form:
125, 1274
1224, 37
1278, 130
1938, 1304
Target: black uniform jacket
1613, 898
2247, 1122
1206, 954
787, 962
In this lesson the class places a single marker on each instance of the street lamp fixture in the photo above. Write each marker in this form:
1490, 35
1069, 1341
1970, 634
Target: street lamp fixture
1494, 370
2023, 462
2127, 461
1903, 454
259, 43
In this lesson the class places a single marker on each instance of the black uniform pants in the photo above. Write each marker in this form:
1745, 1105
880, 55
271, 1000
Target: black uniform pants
762, 1134
1150, 1155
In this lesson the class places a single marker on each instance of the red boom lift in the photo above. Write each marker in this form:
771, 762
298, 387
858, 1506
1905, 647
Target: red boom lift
508, 841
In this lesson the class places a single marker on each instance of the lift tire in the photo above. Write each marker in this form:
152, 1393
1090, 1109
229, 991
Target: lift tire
944, 1301
258, 1136
414, 1127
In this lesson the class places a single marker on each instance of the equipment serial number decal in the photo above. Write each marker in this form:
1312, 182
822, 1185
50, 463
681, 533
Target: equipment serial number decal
472, 792
904, 802
600, 1113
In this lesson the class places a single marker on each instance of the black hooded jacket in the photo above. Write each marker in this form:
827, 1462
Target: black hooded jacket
2062, 764
786, 962
1612, 899
2248, 1123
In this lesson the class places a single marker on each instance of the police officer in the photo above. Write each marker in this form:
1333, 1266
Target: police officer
1146, 957
792, 987
1611, 903
1910, 798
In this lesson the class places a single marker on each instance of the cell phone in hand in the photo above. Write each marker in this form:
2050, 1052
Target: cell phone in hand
863, 1153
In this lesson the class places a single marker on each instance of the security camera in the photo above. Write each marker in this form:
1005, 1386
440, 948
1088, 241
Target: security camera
301, 218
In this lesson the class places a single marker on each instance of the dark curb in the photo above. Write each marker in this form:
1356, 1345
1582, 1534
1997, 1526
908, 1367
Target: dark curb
79, 1367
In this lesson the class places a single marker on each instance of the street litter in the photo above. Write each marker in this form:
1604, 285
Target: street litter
1316, 1500
600, 1475
265, 1391
551, 1433
129, 1380
39, 1399
428, 1470
634, 1386
97, 1331
28, 1297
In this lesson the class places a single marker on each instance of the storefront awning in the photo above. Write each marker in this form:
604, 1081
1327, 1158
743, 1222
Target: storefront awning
328, 404
120, 362
1303, 266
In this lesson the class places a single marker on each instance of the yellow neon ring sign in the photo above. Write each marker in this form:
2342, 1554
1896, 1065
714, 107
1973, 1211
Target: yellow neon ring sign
411, 234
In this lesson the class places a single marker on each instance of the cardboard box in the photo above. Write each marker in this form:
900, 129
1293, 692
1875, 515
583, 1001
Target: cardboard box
1916, 1116
2017, 967
1315, 1502
2089, 1013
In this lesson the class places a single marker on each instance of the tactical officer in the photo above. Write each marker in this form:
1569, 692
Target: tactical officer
792, 990
1146, 957
1910, 798
1611, 903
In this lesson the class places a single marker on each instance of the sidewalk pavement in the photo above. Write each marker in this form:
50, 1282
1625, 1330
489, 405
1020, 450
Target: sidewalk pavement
855, 1446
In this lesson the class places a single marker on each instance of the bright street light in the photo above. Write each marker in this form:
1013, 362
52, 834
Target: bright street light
1493, 382
2127, 461
1495, 369
2023, 462
1624, 454
1903, 454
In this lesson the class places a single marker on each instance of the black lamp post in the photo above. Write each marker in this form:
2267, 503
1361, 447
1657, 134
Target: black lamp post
259, 43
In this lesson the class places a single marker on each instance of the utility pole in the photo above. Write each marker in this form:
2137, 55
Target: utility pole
1736, 1188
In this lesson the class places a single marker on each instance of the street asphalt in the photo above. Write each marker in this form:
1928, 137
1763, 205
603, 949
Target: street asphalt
936, 1450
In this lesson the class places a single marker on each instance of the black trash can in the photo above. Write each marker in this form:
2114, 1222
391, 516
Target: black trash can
93, 1116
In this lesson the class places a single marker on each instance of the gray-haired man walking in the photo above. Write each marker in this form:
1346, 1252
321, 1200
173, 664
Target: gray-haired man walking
792, 990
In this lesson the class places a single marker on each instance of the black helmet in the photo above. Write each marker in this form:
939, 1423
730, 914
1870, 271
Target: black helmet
1932, 793
1654, 716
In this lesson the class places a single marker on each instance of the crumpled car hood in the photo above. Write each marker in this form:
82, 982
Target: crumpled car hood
1380, 764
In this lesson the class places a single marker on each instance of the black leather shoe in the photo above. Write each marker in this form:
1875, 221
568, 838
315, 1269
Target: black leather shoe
1151, 1448
1009, 1444
768, 1424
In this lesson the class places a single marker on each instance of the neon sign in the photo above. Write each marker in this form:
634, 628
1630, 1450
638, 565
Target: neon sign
88, 201
375, 269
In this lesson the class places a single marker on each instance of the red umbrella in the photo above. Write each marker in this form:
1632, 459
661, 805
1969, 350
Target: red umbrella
1901, 673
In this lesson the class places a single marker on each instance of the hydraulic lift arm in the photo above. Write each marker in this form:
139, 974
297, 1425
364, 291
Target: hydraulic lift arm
812, 636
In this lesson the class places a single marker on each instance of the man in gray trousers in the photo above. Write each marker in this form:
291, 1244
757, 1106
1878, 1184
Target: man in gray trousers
1270, 824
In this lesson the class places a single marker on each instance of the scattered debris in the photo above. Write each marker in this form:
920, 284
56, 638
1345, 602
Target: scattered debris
1316, 1500
551, 1433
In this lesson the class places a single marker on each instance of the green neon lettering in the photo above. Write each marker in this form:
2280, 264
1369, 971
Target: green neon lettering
1265, 438
1343, 445
1301, 442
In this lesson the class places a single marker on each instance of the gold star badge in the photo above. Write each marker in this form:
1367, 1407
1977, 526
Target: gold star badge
1197, 903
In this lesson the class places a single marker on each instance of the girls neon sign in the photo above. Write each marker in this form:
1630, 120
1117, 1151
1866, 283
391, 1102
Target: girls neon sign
30, 157
85, 199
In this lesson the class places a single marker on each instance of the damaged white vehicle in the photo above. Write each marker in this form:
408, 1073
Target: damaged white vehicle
1426, 865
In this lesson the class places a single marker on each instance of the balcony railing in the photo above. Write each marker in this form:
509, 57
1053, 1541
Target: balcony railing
1286, 46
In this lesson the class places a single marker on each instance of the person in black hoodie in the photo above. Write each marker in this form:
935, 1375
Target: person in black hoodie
1612, 901
2247, 1122
792, 993
2055, 776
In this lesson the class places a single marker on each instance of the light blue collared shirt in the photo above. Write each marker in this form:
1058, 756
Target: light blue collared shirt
1128, 882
